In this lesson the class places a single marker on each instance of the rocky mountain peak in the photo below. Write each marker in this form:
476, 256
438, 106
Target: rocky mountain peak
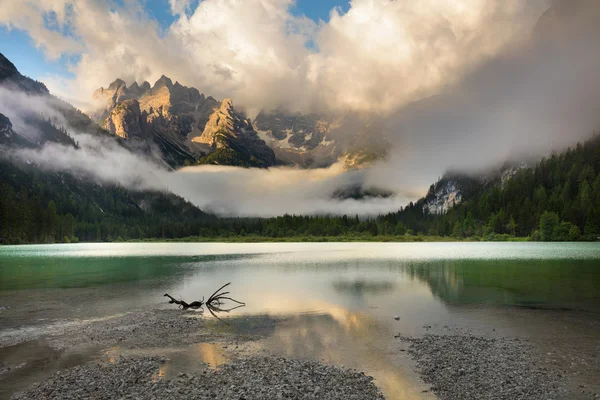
10, 76
163, 81
223, 120
183, 123
117, 84
226, 106
7, 68
145, 86
125, 120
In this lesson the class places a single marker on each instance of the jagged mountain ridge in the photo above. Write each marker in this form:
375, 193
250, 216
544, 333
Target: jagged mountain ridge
188, 121
317, 140
186, 125
41, 206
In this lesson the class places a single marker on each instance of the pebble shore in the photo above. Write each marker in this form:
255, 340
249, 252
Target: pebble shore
250, 378
470, 367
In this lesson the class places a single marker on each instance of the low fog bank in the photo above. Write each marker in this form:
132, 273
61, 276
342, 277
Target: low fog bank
236, 191
225, 191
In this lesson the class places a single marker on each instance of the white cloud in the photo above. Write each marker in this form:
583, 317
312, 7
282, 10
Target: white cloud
378, 56
180, 6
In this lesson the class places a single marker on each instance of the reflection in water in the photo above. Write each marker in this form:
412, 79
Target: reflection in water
353, 340
211, 354
112, 354
162, 371
333, 302
556, 284
362, 286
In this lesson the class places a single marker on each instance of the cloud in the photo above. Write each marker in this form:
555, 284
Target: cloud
226, 191
180, 6
523, 104
43, 20
378, 56
20, 107
462, 84
283, 190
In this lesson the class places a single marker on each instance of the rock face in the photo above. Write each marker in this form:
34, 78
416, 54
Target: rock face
313, 140
442, 196
5, 126
233, 140
125, 120
181, 121
510, 171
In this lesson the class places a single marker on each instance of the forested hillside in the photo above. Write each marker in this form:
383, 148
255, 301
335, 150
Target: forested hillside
558, 199
44, 207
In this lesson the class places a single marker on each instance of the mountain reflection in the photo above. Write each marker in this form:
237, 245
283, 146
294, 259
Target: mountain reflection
539, 283
360, 287
342, 337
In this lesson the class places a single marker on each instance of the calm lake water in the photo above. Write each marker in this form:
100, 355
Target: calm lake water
338, 300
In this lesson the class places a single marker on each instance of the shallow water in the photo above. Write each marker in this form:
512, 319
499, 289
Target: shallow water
338, 300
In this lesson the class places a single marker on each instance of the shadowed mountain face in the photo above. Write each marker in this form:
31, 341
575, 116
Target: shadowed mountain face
12, 79
41, 205
43, 125
314, 140
187, 126
192, 128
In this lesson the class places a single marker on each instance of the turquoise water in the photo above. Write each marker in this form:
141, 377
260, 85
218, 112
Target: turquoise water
337, 300
564, 275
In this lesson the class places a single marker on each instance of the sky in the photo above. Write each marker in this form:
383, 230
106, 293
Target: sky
17, 45
303, 55
460, 85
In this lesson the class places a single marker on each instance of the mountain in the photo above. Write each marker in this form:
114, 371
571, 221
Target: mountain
185, 125
455, 187
191, 128
233, 140
12, 79
556, 199
38, 206
41, 206
319, 140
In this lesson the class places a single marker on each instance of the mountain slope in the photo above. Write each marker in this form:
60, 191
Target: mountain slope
39, 206
182, 122
558, 199
313, 140
11, 79
46, 207
234, 140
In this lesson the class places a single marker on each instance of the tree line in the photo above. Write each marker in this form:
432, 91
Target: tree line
557, 200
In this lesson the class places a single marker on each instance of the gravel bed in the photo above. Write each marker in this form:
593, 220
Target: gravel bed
150, 328
246, 378
472, 367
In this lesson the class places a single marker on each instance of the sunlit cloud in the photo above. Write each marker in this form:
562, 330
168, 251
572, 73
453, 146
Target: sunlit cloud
378, 56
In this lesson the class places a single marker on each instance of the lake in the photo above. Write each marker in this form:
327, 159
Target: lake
336, 301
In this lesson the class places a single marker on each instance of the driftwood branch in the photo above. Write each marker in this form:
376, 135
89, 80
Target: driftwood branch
213, 304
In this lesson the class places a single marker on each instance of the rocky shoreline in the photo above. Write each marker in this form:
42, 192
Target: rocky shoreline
132, 359
246, 378
469, 367
172, 354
